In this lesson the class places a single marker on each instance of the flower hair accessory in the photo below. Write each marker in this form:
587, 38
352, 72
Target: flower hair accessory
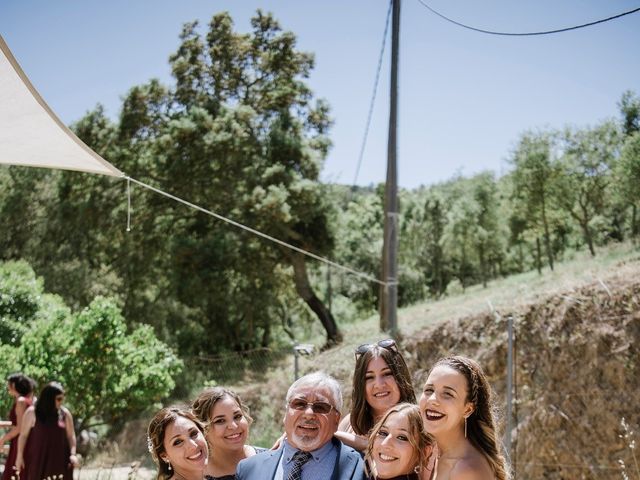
150, 446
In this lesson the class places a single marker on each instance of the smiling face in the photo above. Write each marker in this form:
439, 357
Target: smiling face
305, 429
228, 428
393, 453
381, 389
443, 403
185, 448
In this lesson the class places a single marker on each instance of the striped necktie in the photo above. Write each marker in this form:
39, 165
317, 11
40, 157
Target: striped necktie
299, 459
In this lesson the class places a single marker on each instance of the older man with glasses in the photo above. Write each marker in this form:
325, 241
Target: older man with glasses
310, 451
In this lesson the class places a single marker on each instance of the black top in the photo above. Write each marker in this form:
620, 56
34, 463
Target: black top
407, 476
232, 477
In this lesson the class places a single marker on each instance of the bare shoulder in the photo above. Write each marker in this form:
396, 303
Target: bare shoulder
29, 417
67, 413
472, 467
345, 424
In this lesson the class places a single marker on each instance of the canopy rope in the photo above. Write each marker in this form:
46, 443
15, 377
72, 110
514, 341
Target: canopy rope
255, 232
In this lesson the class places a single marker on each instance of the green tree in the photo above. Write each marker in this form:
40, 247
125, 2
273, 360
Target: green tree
629, 106
241, 135
628, 178
20, 299
436, 264
461, 231
585, 166
488, 241
110, 372
243, 121
358, 233
534, 177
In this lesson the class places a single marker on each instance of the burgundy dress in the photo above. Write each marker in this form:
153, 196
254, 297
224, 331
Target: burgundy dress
13, 445
48, 451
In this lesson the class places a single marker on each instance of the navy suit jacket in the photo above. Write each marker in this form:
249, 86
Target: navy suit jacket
349, 465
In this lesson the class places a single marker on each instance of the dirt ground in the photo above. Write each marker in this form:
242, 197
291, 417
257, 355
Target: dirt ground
117, 472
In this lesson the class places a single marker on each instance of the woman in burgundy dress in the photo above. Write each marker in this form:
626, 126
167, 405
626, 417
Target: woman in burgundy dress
47, 445
20, 387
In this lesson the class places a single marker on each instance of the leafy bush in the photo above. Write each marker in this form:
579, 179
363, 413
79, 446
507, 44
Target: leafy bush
109, 373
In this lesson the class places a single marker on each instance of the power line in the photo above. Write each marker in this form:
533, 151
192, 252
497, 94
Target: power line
524, 34
375, 91
258, 233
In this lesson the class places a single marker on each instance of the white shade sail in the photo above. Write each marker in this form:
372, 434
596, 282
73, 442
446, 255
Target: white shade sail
31, 134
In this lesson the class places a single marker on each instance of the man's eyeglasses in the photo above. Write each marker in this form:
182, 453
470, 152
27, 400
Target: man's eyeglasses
388, 344
322, 408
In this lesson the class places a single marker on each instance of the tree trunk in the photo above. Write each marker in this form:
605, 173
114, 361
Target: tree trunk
588, 237
547, 236
520, 257
463, 267
303, 287
538, 256
634, 221
483, 266
583, 221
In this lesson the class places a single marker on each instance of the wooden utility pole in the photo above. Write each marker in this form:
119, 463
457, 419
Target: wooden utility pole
389, 292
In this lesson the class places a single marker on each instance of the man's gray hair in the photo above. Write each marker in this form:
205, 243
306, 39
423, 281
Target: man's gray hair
318, 380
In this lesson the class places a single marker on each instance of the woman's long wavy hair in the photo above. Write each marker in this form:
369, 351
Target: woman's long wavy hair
155, 436
361, 415
46, 410
481, 424
418, 438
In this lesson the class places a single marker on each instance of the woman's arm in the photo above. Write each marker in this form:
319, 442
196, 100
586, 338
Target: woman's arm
21, 406
357, 442
347, 436
28, 420
71, 437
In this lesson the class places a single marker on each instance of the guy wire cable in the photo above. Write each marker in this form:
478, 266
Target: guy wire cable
524, 34
375, 91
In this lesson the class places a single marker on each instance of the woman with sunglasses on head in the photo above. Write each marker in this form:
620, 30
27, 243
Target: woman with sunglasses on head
227, 422
176, 442
47, 441
456, 407
381, 380
398, 446
21, 388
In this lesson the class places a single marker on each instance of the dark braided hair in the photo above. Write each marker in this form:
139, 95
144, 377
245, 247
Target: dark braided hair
481, 424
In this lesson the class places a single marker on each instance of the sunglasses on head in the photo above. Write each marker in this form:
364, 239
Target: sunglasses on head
322, 408
388, 344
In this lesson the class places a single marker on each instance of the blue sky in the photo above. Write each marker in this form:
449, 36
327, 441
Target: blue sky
464, 97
